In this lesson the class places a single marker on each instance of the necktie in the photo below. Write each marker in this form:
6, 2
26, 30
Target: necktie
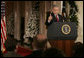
57, 18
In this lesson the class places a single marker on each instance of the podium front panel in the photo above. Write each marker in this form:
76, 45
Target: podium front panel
62, 31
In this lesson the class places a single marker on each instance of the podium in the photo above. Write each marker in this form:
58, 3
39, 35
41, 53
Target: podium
62, 31
62, 35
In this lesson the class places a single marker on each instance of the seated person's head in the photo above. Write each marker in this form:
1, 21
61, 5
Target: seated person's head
10, 44
53, 52
78, 49
39, 41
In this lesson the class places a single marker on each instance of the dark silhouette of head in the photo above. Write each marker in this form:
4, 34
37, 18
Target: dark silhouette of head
53, 52
78, 49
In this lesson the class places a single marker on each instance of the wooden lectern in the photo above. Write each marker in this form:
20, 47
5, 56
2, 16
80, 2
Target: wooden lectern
62, 35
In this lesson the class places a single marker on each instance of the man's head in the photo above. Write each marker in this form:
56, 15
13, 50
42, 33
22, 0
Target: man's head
39, 41
53, 52
55, 9
77, 49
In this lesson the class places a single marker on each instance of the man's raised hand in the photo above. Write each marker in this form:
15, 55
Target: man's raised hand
50, 17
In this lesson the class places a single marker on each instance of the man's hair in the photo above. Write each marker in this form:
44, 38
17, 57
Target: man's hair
39, 43
55, 6
53, 52
10, 44
78, 49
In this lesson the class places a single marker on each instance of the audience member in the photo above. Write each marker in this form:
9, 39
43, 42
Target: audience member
38, 45
78, 49
53, 52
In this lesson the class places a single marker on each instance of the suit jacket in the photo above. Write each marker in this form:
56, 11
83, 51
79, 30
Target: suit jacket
53, 19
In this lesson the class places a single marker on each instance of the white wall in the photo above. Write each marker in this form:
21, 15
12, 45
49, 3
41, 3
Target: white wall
80, 19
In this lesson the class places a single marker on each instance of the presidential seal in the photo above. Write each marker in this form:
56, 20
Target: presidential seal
66, 29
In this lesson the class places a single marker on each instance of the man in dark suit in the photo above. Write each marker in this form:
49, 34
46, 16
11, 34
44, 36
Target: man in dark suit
53, 16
